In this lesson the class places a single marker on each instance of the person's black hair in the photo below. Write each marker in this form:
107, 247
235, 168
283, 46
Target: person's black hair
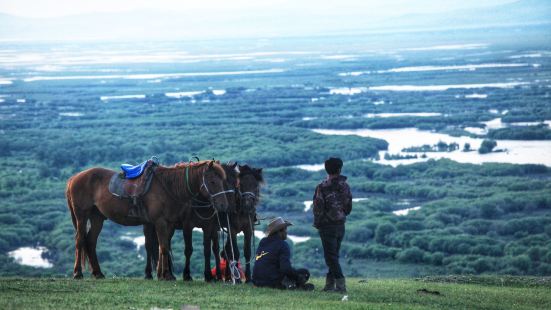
333, 165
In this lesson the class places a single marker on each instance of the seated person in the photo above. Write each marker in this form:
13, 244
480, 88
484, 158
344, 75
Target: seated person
272, 267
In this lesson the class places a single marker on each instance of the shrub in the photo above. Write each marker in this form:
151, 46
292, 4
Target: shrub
409, 225
359, 234
381, 253
521, 262
383, 232
488, 211
437, 258
411, 255
421, 242
482, 265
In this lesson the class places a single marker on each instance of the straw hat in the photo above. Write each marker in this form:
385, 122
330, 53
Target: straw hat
277, 224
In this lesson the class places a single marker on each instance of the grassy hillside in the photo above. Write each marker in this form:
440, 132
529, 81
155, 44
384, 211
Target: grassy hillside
479, 293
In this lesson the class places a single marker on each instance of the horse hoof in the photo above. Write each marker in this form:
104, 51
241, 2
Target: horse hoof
77, 276
187, 278
169, 277
99, 276
148, 277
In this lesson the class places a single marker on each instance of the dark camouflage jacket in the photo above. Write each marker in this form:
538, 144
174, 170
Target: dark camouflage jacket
332, 202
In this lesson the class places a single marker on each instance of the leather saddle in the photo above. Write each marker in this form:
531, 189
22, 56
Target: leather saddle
134, 183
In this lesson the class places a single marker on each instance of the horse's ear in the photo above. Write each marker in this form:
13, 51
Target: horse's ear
211, 163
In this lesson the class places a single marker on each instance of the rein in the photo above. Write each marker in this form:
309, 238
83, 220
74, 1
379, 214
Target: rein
254, 241
194, 208
234, 270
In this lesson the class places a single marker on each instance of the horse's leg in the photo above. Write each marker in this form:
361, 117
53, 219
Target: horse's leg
247, 252
216, 251
163, 270
188, 250
206, 251
171, 230
80, 247
151, 249
96, 224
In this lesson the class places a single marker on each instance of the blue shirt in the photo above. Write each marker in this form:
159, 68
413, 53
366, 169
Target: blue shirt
272, 262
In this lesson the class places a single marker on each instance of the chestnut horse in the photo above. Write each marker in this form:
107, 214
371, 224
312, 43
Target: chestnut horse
170, 194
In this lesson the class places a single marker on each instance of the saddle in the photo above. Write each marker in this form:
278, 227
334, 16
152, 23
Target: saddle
132, 172
134, 183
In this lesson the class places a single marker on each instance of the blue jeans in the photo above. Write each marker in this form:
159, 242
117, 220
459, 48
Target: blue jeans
331, 238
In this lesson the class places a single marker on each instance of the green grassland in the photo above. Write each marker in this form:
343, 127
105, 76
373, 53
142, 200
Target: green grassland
473, 293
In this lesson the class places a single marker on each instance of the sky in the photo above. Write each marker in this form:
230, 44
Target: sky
376, 9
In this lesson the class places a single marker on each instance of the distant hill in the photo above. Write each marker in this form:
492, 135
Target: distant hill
524, 12
201, 23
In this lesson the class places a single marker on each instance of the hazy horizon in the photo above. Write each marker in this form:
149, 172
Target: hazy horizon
168, 19
370, 8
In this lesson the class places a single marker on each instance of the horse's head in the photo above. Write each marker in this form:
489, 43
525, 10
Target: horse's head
231, 184
250, 180
214, 179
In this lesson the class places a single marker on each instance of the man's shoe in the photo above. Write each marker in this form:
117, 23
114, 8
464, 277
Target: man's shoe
340, 285
329, 284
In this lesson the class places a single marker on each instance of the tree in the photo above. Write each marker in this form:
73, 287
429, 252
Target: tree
521, 262
411, 255
487, 146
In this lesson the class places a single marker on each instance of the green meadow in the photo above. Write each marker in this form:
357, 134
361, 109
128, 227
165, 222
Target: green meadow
132, 293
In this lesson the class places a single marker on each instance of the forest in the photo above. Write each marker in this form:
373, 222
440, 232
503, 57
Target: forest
464, 218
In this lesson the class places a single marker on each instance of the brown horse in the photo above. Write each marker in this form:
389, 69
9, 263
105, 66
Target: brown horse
201, 215
208, 220
171, 192
250, 181
242, 218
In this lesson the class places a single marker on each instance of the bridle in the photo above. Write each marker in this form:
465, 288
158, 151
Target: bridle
211, 196
252, 194
204, 184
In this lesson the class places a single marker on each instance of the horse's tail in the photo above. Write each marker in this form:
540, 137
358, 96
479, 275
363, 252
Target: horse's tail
84, 256
70, 203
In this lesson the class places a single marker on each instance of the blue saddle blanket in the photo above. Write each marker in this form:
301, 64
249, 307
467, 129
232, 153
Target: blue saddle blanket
132, 172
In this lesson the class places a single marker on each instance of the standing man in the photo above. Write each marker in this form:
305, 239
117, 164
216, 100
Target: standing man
332, 203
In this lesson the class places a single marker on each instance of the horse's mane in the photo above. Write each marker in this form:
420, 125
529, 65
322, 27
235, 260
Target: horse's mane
246, 170
217, 166
174, 176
